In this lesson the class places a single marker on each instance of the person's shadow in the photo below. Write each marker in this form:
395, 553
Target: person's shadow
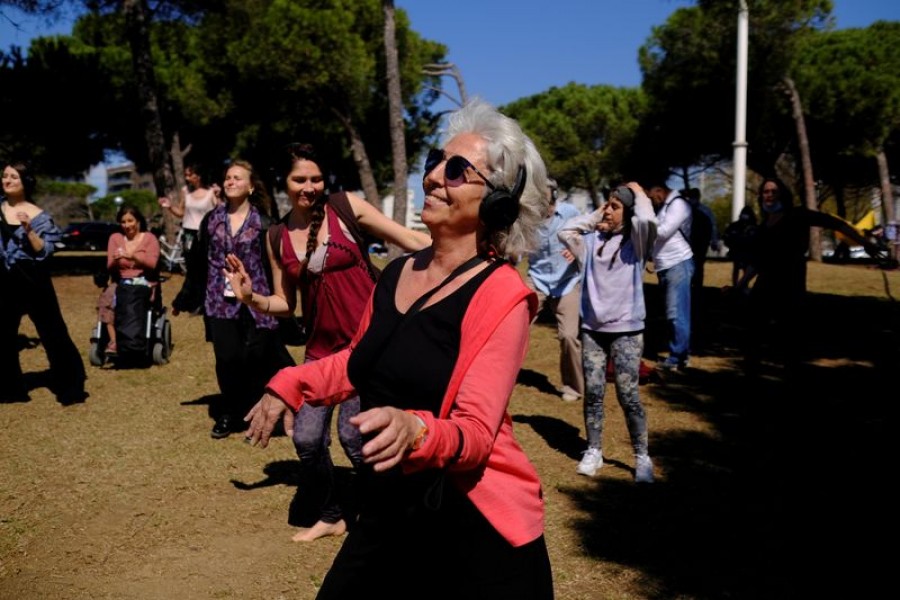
305, 507
278, 472
559, 435
538, 381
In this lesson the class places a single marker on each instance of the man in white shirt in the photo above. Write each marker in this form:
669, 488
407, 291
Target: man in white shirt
673, 262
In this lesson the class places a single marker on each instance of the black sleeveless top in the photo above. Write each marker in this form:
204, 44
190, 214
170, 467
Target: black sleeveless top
407, 362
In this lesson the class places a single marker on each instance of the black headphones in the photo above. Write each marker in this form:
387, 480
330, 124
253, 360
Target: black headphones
500, 208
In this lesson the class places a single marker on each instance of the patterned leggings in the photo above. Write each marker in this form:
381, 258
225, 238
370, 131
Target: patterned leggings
625, 349
312, 441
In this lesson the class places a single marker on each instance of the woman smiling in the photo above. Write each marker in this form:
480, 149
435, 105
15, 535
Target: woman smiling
27, 239
434, 362
245, 341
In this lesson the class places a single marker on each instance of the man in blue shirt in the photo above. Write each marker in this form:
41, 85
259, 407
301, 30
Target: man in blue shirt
554, 275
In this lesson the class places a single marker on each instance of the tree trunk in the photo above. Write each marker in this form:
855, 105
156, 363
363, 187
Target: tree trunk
177, 155
398, 133
839, 199
138, 32
887, 196
361, 159
809, 185
451, 70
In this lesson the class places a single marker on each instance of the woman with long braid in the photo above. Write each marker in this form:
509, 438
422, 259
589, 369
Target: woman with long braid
316, 250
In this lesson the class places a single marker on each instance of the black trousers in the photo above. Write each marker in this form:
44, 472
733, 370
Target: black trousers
246, 358
28, 290
449, 554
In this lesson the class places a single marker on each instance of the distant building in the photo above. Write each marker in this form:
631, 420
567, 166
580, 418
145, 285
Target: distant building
125, 176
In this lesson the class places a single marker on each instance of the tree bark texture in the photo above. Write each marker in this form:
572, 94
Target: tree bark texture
395, 111
361, 159
809, 184
137, 27
887, 196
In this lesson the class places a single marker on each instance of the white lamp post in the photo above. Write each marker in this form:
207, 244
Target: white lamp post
740, 122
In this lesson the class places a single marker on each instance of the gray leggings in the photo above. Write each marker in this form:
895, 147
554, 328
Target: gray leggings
625, 349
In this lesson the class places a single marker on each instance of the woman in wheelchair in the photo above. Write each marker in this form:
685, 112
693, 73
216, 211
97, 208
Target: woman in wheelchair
131, 259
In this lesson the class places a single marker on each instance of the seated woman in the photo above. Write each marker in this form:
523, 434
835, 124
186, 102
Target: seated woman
131, 255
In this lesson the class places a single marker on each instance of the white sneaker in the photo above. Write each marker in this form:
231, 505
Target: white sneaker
643, 469
590, 462
569, 395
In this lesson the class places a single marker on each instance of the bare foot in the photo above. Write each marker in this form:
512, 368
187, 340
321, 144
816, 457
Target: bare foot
320, 529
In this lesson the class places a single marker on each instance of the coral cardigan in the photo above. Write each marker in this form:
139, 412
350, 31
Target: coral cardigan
493, 470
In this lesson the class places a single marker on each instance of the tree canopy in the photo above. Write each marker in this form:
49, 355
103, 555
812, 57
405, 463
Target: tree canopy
233, 78
583, 132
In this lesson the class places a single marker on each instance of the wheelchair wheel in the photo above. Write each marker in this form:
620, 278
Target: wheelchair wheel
96, 354
159, 354
162, 348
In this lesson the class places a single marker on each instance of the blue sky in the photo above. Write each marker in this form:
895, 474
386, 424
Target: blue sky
509, 49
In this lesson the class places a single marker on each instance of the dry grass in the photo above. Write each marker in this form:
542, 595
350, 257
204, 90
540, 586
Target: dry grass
126, 495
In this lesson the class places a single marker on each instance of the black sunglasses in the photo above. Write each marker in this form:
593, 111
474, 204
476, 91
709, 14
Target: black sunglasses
455, 170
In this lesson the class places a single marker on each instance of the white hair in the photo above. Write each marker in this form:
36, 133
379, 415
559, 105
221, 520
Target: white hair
508, 148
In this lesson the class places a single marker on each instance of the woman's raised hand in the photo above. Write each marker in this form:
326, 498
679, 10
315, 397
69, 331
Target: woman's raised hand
237, 276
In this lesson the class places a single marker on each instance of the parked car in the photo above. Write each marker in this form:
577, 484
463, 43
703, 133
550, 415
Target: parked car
88, 235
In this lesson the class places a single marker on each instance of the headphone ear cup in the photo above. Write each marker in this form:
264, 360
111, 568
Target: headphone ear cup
500, 208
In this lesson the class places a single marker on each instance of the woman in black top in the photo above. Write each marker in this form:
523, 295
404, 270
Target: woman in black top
27, 240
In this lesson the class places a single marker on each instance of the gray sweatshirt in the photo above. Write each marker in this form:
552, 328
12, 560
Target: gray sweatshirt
612, 299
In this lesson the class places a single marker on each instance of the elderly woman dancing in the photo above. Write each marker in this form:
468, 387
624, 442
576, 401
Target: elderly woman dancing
450, 504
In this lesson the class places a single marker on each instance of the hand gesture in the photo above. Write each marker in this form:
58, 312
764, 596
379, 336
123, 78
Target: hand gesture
165, 202
635, 187
238, 277
396, 429
24, 220
263, 417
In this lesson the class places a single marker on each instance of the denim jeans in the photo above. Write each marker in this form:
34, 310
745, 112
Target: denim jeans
676, 288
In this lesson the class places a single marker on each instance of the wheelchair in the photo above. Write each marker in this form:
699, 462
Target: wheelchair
143, 329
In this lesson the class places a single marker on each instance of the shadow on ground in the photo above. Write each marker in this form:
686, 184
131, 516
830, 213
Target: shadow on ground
305, 507
785, 499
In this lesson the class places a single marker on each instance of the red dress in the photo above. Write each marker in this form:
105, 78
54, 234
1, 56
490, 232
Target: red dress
333, 299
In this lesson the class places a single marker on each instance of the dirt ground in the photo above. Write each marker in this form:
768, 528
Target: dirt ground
767, 486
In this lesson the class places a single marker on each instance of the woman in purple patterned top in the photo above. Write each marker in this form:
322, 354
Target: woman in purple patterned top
246, 343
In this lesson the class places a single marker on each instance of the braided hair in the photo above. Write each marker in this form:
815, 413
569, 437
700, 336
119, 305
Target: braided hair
305, 151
